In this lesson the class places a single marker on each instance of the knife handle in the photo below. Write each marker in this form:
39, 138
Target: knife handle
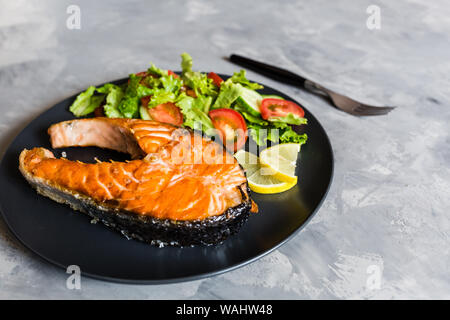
276, 73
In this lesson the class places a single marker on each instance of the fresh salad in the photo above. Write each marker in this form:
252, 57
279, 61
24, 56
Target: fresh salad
233, 107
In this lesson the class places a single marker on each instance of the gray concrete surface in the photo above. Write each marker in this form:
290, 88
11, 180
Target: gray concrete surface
387, 212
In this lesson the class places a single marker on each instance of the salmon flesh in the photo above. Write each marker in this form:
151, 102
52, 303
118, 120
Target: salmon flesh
180, 188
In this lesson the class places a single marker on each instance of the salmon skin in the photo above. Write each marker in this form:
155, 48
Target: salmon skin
180, 189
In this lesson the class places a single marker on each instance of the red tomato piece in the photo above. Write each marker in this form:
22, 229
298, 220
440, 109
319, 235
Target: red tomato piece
231, 127
272, 108
171, 73
166, 112
215, 78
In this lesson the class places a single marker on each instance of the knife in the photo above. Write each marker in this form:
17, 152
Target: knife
340, 101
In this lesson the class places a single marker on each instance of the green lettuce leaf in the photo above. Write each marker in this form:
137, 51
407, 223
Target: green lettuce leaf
129, 106
229, 92
277, 132
160, 80
240, 77
203, 103
289, 119
143, 91
114, 95
171, 84
105, 88
86, 102
257, 120
193, 114
199, 82
288, 135
160, 96
152, 82
260, 134
133, 84
157, 71
186, 63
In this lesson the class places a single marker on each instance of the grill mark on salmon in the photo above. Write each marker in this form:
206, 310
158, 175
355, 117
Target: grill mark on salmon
158, 197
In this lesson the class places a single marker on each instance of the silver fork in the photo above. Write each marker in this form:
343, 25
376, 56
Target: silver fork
340, 101
345, 103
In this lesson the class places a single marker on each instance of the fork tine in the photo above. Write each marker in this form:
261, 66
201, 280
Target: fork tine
388, 109
368, 107
372, 111
369, 113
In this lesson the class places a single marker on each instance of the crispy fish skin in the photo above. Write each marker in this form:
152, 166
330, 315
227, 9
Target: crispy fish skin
213, 204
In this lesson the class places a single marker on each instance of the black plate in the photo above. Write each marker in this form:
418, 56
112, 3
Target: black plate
65, 237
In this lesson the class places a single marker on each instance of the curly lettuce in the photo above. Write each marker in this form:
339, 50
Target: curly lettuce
290, 118
229, 92
194, 112
199, 82
278, 132
114, 95
240, 77
86, 102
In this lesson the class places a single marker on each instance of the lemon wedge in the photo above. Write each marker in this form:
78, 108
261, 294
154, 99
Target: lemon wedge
280, 160
259, 179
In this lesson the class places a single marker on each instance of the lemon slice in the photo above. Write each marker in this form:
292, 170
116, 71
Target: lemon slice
259, 180
248, 161
268, 184
281, 161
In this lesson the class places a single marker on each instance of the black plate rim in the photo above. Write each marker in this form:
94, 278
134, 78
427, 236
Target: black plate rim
186, 278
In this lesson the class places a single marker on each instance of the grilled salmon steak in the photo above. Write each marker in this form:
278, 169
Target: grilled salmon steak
180, 188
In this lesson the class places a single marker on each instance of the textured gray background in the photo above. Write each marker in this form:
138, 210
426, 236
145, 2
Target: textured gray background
389, 202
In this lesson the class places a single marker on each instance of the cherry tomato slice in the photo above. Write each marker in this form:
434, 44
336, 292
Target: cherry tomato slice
215, 78
171, 73
230, 126
271, 108
166, 112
